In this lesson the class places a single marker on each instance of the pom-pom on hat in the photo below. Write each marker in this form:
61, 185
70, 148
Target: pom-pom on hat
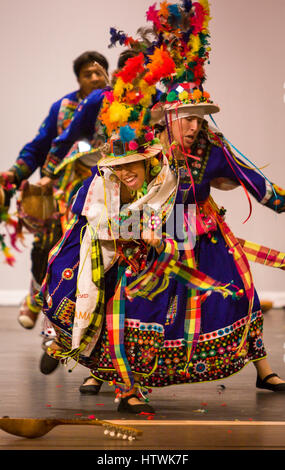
188, 100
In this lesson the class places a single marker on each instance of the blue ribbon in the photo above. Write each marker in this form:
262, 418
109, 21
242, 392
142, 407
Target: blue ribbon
242, 155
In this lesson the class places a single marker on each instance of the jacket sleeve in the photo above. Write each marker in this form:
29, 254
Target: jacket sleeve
34, 153
81, 126
224, 164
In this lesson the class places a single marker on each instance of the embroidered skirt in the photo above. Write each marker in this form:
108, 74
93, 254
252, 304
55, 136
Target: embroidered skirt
154, 334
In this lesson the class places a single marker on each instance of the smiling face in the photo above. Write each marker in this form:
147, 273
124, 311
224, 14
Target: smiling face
185, 130
132, 175
91, 77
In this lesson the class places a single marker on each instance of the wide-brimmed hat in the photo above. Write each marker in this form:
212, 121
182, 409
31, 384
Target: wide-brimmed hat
82, 151
120, 153
182, 101
191, 102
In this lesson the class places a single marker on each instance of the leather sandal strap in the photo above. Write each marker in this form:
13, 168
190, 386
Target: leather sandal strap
133, 395
269, 376
88, 378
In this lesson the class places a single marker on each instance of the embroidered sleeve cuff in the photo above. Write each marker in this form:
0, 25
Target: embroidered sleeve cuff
21, 171
274, 198
268, 193
50, 165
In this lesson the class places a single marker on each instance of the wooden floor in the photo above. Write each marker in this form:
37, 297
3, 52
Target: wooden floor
194, 417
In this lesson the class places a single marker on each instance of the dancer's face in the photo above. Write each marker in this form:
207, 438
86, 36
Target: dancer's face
132, 175
185, 130
91, 77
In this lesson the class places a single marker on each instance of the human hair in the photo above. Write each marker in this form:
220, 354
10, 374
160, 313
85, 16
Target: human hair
87, 58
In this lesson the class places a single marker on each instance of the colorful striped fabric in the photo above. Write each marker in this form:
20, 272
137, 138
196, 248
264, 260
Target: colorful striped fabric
244, 251
192, 324
99, 280
115, 319
242, 265
73, 158
147, 286
262, 254
168, 265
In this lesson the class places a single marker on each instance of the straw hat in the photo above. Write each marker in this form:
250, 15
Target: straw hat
184, 101
121, 153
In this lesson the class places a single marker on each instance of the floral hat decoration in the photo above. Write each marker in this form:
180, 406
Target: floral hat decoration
182, 29
126, 109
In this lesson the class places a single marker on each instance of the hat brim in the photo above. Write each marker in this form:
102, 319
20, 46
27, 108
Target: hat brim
130, 158
199, 109
92, 155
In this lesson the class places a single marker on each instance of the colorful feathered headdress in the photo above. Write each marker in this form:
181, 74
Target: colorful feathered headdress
125, 112
180, 30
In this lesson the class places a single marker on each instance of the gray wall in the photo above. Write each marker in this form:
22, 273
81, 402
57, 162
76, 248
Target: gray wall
39, 40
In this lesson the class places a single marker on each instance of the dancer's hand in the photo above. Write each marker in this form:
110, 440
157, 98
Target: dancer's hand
153, 239
45, 181
277, 200
7, 176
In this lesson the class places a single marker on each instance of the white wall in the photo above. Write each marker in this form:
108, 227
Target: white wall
39, 40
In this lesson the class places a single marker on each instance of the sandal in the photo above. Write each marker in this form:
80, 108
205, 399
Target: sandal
28, 315
48, 364
264, 384
90, 389
126, 407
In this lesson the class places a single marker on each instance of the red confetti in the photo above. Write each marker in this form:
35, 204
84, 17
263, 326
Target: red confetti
91, 416
223, 404
48, 406
100, 404
204, 404
150, 417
